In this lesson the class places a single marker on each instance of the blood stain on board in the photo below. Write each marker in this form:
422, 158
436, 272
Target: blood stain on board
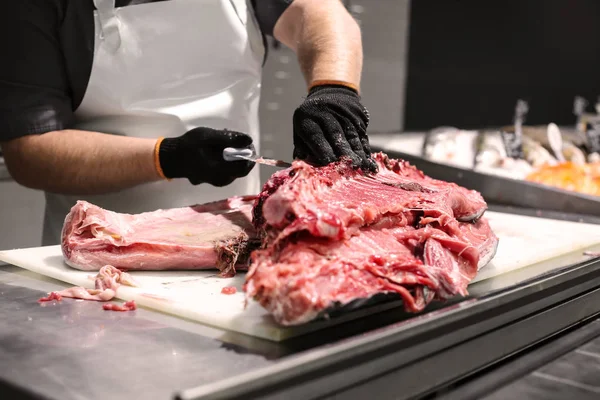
229, 290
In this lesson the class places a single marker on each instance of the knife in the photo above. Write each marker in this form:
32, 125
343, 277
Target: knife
233, 154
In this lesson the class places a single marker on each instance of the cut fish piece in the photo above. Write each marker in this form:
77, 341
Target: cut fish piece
334, 201
218, 234
335, 236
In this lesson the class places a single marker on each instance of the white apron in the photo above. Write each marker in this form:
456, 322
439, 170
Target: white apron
161, 69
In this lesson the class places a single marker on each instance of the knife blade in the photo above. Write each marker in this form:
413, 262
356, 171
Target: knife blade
233, 154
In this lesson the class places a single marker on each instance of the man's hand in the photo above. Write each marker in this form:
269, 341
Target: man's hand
198, 156
332, 123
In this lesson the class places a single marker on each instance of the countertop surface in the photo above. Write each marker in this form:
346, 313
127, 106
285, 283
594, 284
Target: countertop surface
76, 350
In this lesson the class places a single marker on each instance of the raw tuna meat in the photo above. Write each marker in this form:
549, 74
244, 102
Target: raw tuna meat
51, 296
202, 236
106, 283
334, 235
127, 306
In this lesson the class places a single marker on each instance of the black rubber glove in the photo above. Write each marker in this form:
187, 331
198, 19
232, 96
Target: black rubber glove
198, 156
332, 123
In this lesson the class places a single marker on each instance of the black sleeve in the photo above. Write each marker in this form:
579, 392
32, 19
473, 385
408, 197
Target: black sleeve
268, 12
34, 92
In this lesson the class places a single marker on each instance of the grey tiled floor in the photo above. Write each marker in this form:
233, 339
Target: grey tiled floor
575, 375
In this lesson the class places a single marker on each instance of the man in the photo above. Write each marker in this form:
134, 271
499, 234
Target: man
129, 104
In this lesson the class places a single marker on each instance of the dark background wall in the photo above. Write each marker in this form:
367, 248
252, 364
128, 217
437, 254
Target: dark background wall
470, 60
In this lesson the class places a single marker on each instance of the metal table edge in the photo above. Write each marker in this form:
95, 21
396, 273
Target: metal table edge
528, 297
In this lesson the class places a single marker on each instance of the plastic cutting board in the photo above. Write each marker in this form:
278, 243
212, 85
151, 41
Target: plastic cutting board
197, 295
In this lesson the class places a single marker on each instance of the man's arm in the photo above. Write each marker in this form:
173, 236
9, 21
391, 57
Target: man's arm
326, 39
331, 123
40, 150
80, 162
84, 162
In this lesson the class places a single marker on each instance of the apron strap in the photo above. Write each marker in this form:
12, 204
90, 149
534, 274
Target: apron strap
109, 23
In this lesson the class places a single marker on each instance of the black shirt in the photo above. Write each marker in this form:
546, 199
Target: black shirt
47, 49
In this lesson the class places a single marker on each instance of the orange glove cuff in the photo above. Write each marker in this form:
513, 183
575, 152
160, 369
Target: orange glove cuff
157, 159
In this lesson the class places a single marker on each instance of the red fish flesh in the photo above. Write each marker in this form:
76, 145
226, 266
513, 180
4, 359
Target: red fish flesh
198, 237
333, 235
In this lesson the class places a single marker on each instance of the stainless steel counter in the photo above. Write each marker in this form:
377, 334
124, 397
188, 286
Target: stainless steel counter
75, 350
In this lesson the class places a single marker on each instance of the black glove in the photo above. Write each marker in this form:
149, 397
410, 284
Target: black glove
198, 156
332, 123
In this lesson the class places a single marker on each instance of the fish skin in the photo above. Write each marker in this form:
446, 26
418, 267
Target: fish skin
472, 217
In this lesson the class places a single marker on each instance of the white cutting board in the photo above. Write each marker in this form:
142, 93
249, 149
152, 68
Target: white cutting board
196, 295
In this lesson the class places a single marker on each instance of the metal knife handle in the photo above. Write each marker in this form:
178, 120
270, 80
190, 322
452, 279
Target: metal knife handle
233, 154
